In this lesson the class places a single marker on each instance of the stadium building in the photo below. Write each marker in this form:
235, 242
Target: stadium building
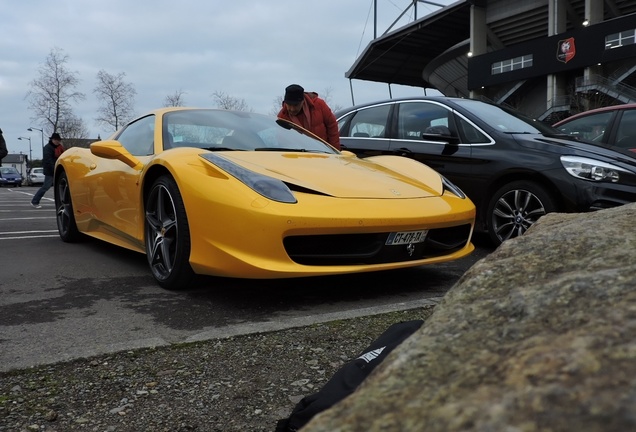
546, 58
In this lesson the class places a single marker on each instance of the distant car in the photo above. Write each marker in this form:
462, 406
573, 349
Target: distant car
238, 194
36, 176
613, 125
513, 168
9, 176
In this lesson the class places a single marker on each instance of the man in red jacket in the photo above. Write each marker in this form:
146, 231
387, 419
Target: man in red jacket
311, 112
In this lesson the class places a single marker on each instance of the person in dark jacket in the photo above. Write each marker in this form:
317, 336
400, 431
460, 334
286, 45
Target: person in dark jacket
3, 147
306, 109
52, 150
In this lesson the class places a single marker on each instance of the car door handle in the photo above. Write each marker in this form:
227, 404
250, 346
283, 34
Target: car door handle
403, 151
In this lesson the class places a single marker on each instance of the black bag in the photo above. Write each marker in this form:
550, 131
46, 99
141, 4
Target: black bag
348, 377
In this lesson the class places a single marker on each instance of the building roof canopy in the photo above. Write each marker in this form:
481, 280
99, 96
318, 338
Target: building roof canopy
400, 57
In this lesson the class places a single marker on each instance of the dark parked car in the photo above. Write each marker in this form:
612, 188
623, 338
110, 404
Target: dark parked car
513, 168
613, 125
9, 176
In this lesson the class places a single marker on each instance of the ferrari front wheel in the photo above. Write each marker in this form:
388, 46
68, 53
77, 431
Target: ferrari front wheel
66, 225
167, 235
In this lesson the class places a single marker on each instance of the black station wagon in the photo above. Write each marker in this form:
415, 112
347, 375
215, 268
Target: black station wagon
513, 168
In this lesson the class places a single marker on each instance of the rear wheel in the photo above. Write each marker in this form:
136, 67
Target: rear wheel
66, 225
516, 207
167, 235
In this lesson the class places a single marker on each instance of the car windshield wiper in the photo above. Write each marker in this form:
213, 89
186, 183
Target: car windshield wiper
558, 135
221, 149
280, 149
286, 149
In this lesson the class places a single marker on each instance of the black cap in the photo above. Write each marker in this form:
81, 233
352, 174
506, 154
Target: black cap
294, 94
56, 136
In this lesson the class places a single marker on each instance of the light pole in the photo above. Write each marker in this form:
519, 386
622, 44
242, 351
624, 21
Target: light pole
30, 153
31, 129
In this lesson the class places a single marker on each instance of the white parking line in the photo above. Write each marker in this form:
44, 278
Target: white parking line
27, 232
28, 218
27, 237
19, 235
30, 194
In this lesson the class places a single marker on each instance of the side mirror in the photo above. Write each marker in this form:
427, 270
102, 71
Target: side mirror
440, 133
111, 149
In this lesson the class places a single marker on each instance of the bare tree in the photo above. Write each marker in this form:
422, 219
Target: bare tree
225, 101
175, 99
53, 91
277, 105
327, 97
117, 98
72, 127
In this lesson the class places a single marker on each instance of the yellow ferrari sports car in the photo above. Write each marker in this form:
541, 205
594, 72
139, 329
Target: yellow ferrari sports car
238, 194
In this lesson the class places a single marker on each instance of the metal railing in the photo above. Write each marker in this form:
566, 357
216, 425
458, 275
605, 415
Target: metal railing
556, 104
619, 91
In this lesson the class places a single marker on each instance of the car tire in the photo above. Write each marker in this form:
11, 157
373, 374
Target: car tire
167, 235
66, 225
515, 207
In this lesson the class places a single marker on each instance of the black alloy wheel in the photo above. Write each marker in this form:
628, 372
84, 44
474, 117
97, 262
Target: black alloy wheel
66, 225
167, 235
516, 207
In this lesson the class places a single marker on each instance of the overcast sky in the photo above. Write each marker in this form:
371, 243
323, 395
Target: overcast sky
250, 50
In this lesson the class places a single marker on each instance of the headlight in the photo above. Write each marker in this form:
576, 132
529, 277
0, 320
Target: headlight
452, 188
590, 169
269, 187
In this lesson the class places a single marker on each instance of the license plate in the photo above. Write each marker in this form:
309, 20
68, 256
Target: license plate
406, 237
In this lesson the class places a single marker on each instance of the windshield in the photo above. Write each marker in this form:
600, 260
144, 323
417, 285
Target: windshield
234, 130
8, 170
506, 120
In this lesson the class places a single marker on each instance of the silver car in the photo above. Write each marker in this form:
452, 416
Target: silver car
36, 176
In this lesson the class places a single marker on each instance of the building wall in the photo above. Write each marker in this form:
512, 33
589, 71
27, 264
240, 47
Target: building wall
570, 70
587, 49
18, 161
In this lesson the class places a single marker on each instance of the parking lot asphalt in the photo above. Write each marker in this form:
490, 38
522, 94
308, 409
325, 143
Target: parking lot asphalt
60, 301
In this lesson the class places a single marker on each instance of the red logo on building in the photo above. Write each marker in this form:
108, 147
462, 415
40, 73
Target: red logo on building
566, 50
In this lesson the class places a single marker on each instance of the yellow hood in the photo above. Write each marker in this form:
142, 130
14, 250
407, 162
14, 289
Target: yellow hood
342, 176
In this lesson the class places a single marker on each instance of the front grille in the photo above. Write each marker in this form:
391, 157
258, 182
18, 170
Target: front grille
360, 249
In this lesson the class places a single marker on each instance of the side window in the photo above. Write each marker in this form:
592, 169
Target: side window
626, 135
470, 134
370, 122
588, 128
138, 137
342, 122
417, 118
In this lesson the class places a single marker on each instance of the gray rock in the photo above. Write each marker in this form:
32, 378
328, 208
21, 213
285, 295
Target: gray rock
538, 336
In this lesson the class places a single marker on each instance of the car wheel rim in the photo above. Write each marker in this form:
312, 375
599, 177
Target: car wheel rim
161, 232
64, 208
515, 212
